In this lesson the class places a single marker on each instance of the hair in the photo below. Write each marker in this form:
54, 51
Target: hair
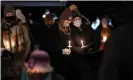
47, 21
105, 31
106, 17
62, 28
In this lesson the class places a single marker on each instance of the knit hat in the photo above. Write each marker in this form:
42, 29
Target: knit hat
66, 14
9, 9
49, 17
39, 60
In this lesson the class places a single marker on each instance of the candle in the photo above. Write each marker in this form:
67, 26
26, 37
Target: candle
69, 46
82, 43
104, 38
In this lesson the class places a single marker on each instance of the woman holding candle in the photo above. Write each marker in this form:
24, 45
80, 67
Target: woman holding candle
60, 37
82, 37
105, 31
102, 33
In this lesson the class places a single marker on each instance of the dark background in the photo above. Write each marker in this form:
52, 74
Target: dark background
90, 9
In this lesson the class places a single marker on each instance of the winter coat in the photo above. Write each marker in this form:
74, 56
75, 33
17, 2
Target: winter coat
118, 55
16, 33
19, 30
86, 34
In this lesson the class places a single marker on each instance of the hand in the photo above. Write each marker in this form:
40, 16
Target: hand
73, 7
66, 51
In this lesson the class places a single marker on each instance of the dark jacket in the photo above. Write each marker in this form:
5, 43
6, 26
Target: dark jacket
117, 63
59, 41
97, 38
86, 34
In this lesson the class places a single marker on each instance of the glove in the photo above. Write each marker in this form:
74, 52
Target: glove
66, 51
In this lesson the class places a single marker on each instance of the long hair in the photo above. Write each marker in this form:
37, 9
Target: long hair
62, 28
105, 31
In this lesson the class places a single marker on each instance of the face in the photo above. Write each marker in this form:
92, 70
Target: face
66, 23
10, 17
51, 22
104, 22
77, 22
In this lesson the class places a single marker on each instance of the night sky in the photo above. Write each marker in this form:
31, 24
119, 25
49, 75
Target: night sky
90, 9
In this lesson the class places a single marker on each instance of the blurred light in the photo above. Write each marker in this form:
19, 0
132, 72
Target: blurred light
95, 24
47, 11
110, 22
63, 0
55, 17
44, 15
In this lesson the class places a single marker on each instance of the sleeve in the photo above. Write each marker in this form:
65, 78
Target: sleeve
26, 39
2, 44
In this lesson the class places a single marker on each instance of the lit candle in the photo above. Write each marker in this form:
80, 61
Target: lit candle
82, 43
104, 38
69, 46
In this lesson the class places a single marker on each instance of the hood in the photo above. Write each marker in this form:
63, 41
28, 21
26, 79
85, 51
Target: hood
20, 15
9, 9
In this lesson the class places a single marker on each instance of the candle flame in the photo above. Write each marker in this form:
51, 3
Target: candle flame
69, 41
81, 41
104, 38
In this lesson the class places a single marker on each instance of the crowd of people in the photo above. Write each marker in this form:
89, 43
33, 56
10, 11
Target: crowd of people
67, 48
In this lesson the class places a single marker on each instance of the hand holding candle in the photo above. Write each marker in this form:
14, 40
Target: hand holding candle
69, 46
104, 39
82, 43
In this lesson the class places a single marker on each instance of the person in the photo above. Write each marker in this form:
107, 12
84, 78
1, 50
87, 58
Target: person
38, 67
60, 36
81, 67
101, 34
103, 30
15, 43
117, 61
48, 23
